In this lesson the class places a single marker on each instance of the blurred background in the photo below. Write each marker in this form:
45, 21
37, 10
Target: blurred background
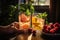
49, 6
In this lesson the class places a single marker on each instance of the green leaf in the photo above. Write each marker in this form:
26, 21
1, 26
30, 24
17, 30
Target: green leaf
42, 15
28, 12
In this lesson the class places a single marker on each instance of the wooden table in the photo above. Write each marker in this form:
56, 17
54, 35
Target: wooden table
28, 37
12, 34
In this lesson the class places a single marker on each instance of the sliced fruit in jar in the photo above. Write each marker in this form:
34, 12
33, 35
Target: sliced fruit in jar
34, 19
24, 18
25, 26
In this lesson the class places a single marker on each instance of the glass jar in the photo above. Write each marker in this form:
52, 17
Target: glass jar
37, 23
24, 21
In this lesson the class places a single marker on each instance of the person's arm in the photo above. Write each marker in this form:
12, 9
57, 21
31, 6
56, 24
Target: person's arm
10, 30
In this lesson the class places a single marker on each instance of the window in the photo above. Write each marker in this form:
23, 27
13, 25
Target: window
41, 2
39, 5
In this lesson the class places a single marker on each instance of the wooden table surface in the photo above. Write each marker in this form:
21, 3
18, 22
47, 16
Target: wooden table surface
28, 37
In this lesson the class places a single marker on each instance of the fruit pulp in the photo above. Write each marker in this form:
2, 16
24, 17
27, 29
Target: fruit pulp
24, 21
37, 23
